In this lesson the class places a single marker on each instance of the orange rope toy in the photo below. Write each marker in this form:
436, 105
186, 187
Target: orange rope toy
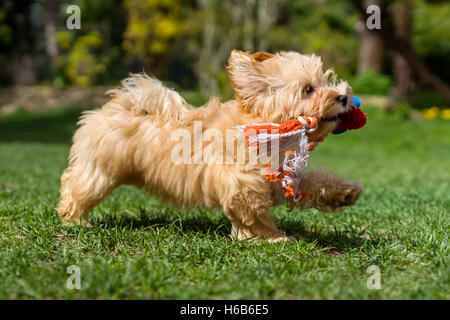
294, 165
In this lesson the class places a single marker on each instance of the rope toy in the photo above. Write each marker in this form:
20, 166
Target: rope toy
292, 131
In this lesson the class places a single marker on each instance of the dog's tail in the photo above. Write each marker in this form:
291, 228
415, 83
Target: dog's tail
149, 96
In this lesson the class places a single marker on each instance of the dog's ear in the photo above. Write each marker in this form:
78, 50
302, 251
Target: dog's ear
261, 56
246, 74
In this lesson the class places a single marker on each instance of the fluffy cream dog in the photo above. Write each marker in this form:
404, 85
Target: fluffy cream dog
128, 141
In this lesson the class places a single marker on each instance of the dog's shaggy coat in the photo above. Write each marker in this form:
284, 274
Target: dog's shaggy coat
128, 141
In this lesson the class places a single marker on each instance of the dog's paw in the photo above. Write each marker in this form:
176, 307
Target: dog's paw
349, 195
281, 239
259, 239
82, 222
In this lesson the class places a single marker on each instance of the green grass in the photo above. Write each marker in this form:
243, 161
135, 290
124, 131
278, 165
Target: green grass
140, 248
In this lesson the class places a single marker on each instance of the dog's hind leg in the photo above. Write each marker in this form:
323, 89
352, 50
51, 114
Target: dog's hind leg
81, 190
95, 160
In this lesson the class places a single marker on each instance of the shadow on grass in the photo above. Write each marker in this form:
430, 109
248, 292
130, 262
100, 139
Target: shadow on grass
200, 224
52, 126
336, 241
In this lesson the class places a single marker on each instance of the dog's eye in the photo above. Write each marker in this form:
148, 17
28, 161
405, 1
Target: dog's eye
308, 89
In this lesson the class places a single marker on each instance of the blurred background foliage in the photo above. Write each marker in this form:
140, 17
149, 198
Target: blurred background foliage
187, 42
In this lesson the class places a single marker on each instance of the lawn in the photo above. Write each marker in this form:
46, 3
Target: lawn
139, 248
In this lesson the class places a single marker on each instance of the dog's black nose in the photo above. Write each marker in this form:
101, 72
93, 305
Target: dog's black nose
342, 100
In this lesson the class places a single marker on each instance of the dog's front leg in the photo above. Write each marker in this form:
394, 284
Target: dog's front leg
250, 217
329, 191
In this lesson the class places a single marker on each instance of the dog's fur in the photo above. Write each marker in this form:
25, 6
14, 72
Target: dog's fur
127, 141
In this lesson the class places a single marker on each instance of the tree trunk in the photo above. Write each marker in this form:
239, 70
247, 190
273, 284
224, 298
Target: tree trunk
22, 49
404, 82
404, 48
371, 50
24, 73
51, 46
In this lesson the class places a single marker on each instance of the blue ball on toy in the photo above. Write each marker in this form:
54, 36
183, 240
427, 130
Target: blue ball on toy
356, 102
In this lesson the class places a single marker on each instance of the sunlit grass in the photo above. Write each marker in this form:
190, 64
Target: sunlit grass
141, 248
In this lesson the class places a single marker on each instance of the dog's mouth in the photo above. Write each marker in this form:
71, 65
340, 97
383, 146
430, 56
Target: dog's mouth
330, 119
326, 126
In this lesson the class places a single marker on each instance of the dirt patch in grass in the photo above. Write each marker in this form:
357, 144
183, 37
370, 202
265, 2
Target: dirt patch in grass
34, 98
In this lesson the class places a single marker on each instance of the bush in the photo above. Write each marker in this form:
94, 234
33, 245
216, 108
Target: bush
426, 99
370, 82
81, 61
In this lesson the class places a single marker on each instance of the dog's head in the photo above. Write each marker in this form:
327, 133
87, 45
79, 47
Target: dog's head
286, 85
